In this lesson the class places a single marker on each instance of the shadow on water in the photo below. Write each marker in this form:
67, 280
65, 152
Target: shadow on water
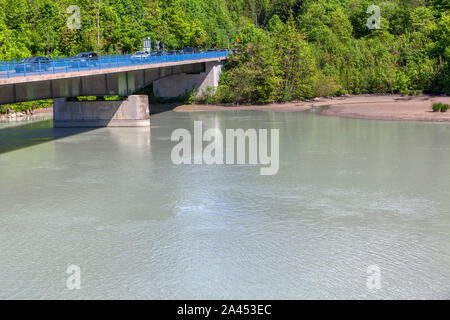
21, 136
15, 136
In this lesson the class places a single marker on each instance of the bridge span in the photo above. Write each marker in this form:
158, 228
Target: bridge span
171, 76
117, 77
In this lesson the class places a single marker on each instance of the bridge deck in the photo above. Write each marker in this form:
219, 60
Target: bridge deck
106, 79
62, 74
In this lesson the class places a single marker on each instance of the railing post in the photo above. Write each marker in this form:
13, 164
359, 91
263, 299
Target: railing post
89, 64
24, 69
7, 69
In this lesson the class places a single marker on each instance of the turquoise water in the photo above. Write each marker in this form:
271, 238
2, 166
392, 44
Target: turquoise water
349, 194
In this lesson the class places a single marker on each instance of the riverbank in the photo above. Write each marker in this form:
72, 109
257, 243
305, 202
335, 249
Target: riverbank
394, 108
278, 107
374, 107
17, 115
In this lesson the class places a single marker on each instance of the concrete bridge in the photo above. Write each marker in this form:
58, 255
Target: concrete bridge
169, 78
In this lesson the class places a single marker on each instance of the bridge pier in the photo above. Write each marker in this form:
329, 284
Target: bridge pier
132, 112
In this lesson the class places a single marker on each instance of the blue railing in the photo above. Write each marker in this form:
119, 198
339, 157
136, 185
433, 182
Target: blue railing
15, 68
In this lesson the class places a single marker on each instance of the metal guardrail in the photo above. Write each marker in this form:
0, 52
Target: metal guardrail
15, 68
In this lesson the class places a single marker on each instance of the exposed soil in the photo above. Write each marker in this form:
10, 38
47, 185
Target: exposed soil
376, 107
278, 107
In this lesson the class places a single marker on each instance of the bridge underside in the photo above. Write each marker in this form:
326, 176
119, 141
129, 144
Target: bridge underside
122, 83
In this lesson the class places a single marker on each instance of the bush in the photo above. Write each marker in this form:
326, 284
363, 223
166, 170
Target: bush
440, 107
26, 106
436, 107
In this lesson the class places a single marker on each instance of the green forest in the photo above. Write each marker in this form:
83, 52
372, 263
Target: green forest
288, 49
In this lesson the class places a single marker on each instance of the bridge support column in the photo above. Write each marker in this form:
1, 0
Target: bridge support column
132, 112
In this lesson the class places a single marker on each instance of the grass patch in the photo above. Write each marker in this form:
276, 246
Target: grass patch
101, 98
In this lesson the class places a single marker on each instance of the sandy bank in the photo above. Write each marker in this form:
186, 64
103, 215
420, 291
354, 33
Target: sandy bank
395, 107
279, 107
376, 107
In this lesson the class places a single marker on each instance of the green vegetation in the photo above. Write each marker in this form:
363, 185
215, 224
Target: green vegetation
299, 50
329, 50
26, 106
442, 107
105, 98
436, 107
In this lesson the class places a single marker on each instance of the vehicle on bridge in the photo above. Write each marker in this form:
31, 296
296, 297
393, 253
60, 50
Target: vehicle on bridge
84, 59
140, 55
34, 64
188, 51
172, 52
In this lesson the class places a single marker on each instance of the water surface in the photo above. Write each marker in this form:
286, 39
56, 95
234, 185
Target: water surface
349, 194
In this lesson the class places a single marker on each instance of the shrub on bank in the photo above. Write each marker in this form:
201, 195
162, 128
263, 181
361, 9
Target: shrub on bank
26, 106
442, 107
105, 98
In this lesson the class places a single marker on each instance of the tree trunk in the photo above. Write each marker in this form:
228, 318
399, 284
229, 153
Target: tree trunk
97, 4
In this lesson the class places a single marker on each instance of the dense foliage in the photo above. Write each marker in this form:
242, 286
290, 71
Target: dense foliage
329, 50
299, 49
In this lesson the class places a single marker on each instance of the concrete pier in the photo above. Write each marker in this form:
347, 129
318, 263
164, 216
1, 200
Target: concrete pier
132, 112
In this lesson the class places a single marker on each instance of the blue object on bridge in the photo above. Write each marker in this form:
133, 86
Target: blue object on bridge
16, 68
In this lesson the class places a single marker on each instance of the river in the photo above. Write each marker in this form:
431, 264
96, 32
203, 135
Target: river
349, 194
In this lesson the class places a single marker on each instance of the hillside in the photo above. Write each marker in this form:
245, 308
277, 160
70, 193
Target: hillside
300, 49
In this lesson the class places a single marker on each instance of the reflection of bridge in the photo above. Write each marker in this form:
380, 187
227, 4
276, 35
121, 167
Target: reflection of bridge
171, 76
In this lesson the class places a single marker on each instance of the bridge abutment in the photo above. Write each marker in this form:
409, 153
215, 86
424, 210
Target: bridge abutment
176, 85
132, 112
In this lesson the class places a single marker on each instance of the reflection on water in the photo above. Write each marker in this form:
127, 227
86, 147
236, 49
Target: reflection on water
349, 194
